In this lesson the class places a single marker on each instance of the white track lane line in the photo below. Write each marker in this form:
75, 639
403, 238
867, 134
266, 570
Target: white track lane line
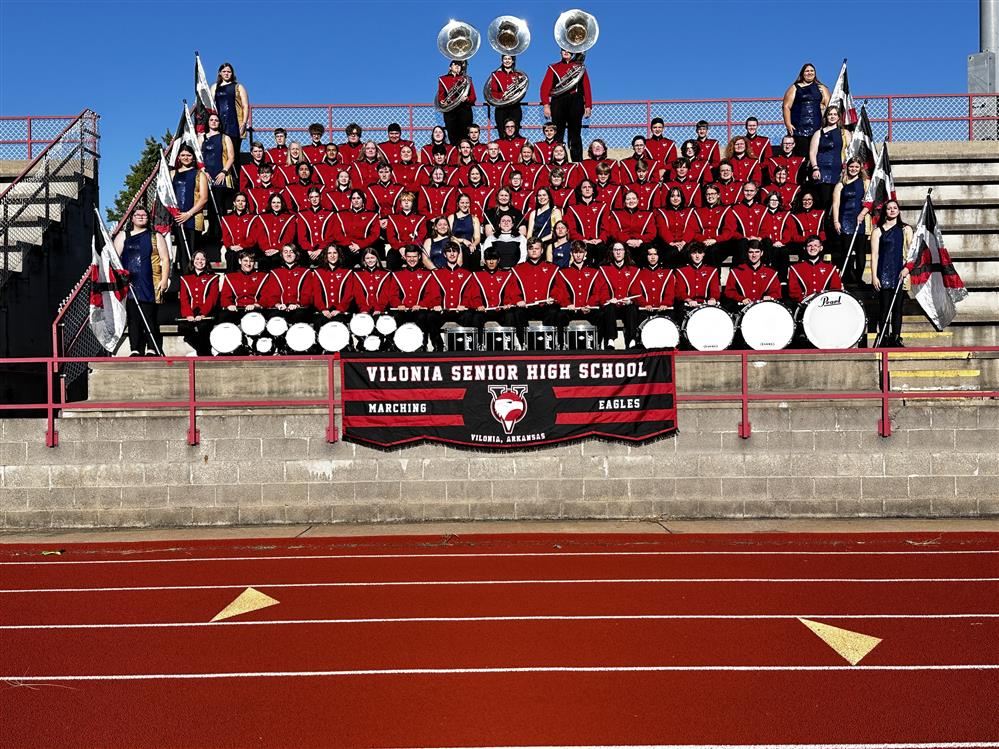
487, 555
27, 678
478, 619
594, 581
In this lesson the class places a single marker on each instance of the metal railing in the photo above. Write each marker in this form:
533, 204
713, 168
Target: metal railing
333, 402
897, 117
23, 138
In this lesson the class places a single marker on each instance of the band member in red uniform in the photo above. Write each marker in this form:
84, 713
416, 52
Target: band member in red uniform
404, 227
478, 191
660, 148
296, 193
450, 85
336, 197
752, 281
249, 173
561, 194
313, 227
439, 138
296, 156
503, 206
496, 295
466, 160
697, 282
716, 226
544, 147
478, 147
260, 196
567, 108
605, 190
270, 230
729, 189
700, 167
627, 167
373, 283
621, 275
499, 84
748, 213
415, 294
407, 170
686, 183
236, 230
278, 155
676, 226
330, 166
780, 234
633, 227
535, 280
350, 151
758, 144
786, 158
243, 290
199, 297
383, 194
333, 288
709, 149
437, 198
811, 217
364, 171
596, 155
315, 150
494, 165
458, 288
355, 229
813, 274
391, 149
787, 190
534, 172
520, 196
573, 174
510, 140
657, 286
745, 163
582, 293
290, 283
644, 186
586, 218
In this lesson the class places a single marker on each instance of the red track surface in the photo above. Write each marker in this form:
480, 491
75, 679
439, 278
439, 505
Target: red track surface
503, 640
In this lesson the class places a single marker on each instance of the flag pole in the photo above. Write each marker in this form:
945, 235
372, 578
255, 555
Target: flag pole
887, 317
211, 183
849, 252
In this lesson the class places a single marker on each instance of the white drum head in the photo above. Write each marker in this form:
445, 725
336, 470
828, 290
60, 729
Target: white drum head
834, 319
362, 324
659, 332
277, 326
709, 328
253, 323
300, 337
265, 345
767, 326
386, 324
372, 343
334, 336
225, 337
408, 337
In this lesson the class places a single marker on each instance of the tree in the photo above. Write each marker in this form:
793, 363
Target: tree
138, 173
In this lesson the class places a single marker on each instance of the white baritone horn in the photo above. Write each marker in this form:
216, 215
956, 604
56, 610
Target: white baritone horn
457, 41
575, 31
509, 35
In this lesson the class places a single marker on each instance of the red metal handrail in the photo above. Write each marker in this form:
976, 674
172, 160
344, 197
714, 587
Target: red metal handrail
333, 402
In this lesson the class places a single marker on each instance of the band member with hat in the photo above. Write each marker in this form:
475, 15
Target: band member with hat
392, 148
457, 115
567, 108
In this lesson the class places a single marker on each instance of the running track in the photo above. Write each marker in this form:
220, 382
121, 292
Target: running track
526, 640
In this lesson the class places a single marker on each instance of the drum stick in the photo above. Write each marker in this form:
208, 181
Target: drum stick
624, 299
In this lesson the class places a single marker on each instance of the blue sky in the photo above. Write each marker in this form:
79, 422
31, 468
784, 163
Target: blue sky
132, 63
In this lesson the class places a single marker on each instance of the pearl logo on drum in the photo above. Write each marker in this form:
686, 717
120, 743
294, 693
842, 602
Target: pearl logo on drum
508, 405
828, 301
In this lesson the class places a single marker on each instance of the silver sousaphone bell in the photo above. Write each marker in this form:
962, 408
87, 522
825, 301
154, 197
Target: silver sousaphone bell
509, 35
457, 41
575, 31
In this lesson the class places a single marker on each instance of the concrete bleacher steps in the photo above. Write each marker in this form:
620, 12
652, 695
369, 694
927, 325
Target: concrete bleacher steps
27, 229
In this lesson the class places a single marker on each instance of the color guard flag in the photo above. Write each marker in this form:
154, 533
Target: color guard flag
204, 101
108, 289
841, 97
882, 186
186, 136
936, 284
166, 208
862, 144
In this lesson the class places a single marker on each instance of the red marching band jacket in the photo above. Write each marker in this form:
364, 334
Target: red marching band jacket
697, 284
806, 277
447, 82
746, 282
748, 218
457, 287
581, 287
657, 287
497, 288
359, 227
586, 221
621, 279
662, 149
716, 223
199, 294
535, 280
406, 228
371, 289
313, 228
241, 289
677, 226
335, 289
780, 227
413, 287
291, 285
625, 225
269, 231
236, 230
555, 72
393, 151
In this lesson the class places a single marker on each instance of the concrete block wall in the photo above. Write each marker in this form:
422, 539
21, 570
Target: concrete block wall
115, 470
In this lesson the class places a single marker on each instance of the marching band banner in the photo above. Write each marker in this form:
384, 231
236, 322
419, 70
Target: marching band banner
507, 401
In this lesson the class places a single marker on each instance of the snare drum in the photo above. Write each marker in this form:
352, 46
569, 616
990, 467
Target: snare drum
408, 337
659, 332
277, 326
334, 336
766, 325
461, 339
500, 338
580, 334
225, 338
300, 338
832, 319
362, 324
253, 323
386, 324
541, 338
708, 328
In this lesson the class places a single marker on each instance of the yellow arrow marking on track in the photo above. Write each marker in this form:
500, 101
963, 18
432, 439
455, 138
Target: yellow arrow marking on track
852, 646
249, 600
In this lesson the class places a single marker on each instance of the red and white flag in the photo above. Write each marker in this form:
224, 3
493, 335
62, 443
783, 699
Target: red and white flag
204, 101
186, 136
882, 186
108, 289
841, 97
936, 284
166, 207
862, 144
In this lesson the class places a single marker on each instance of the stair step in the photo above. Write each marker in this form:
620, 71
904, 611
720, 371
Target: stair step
957, 194
949, 213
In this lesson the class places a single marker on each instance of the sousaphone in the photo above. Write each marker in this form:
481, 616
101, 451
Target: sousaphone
575, 31
509, 35
457, 41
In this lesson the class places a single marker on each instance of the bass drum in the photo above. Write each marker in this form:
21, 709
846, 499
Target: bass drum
766, 325
334, 336
300, 338
225, 338
659, 332
408, 337
708, 328
832, 319
386, 324
253, 323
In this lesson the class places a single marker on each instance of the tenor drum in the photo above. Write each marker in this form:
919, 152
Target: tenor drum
371, 343
581, 335
832, 319
461, 339
300, 338
277, 326
253, 323
500, 338
265, 345
541, 338
334, 336
386, 324
408, 337
225, 337
766, 325
362, 324
708, 328
659, 332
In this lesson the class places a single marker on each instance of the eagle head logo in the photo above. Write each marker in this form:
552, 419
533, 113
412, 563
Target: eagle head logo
508, 405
